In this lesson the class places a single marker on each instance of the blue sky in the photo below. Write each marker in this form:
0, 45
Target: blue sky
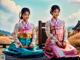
10, 9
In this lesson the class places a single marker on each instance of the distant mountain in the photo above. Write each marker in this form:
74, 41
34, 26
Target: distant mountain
2, 32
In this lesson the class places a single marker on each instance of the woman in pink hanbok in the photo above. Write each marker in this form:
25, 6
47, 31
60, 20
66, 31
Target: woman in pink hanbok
57, 45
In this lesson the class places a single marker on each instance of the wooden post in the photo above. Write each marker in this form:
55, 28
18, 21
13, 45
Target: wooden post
39, 32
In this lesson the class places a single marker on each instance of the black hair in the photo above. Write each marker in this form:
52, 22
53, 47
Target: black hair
23, 11
54, 7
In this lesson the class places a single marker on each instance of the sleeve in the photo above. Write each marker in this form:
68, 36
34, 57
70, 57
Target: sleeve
34, 36
49, 35
14, 34
65, 33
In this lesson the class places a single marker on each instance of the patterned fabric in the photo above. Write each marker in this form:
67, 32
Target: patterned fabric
55, 32
24, 30
57, 29
24, 33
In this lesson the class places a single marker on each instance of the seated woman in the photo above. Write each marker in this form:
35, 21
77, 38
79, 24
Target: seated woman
24, 36
57, 45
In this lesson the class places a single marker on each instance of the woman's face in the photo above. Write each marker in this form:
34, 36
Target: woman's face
25, 16
55, 13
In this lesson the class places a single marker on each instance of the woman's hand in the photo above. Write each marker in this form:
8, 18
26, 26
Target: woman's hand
61, 44
47, 48
25, 46
31, 46
64, 44
28, 46
19, 44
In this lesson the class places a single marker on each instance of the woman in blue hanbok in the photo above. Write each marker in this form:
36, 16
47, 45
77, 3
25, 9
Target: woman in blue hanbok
24, 36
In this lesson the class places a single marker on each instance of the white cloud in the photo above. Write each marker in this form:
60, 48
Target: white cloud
8, 20
10, 5
72, 19
74, 1
75, 15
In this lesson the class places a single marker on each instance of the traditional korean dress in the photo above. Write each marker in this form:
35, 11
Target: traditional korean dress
55, 30
25, 35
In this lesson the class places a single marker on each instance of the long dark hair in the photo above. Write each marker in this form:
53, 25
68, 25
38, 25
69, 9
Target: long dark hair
23, 11
54, 7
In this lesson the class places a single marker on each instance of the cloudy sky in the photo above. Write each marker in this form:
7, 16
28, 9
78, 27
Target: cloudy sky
10, 9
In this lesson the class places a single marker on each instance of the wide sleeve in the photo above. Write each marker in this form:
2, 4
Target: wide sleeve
49, 35
34, 39
65, 33
15, 32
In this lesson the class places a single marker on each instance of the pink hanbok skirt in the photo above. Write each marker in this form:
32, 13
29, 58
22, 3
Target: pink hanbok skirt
57, 52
